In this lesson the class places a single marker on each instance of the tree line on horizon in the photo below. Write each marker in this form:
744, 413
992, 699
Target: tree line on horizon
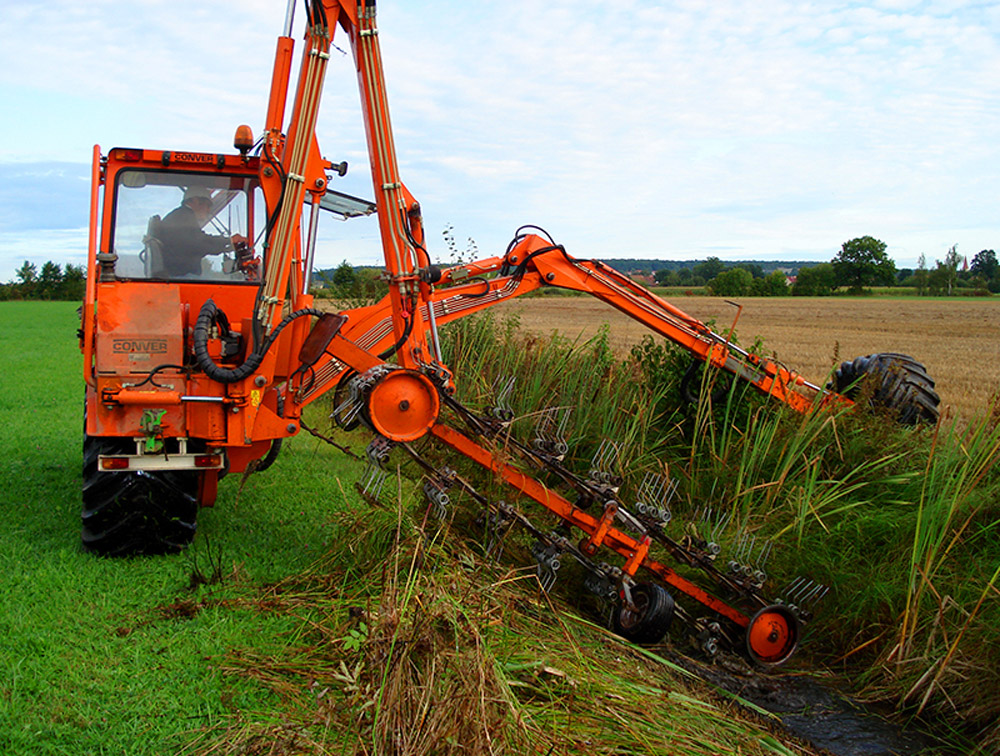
53, 281
861, 263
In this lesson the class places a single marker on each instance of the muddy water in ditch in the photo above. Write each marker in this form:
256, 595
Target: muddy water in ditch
819, 714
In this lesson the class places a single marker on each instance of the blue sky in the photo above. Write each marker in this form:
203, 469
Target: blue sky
674, 130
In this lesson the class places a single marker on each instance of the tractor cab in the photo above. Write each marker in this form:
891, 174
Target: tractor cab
169, 225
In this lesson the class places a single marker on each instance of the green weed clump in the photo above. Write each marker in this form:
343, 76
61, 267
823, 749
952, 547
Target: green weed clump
903, 524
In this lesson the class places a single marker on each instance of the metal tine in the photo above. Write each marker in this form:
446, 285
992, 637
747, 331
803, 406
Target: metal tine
497, 528
671, 493
655, 494
789, 592
606, 457
501, 389
550, 431
348, 409
548, 564
764, 555
706, 517
802, 589
374, 478
720, 525
605, 463
816, 594
439, 500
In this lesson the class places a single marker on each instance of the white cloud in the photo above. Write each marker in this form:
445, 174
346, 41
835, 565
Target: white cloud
645, 129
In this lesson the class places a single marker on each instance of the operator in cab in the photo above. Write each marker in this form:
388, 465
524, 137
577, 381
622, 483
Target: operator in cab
184, 241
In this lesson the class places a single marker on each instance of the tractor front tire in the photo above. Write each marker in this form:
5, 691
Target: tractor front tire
891, 381
135, 512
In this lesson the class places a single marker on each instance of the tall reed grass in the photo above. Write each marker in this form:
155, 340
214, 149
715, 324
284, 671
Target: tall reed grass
903, 524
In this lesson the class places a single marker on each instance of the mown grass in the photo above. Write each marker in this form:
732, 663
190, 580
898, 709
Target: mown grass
300, 621
102, 656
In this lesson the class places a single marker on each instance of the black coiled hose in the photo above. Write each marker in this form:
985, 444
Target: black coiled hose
208, 316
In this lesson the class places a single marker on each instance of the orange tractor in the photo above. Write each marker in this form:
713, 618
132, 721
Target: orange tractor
201, 349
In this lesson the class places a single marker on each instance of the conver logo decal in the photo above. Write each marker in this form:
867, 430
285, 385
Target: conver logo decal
191, 157
122, 346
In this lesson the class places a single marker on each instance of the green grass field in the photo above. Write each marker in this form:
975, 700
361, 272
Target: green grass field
102, 656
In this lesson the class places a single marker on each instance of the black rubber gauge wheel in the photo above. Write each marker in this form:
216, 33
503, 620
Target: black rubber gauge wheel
650, 618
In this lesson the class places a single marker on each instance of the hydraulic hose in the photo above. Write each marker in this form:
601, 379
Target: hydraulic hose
208, 316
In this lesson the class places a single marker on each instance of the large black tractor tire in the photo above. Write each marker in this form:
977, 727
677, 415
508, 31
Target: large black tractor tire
137, 512
891, 381
650, 620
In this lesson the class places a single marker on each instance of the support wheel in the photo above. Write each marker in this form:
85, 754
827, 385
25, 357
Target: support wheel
772, 635
137, 512
649, 621
896, 382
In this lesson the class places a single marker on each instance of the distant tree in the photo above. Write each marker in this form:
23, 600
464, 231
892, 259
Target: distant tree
755, 269
774, 284
920, 275
666, 277
735, 282
709, 269
949, 268
985, 264
938, 280
49, 281
815, 281
863, 262
343, 277
73, 284
26, 280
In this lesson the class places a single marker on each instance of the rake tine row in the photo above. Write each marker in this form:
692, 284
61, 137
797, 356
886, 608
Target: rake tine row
378, 451
802, 596
438, 500
548, 563
371, 484
655, 494
605, 463
550, 432
744, 565
502, 389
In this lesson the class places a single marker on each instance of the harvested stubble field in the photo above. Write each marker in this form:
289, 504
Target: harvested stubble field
957, 339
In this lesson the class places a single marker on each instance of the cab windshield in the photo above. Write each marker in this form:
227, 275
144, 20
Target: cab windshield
188, 226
